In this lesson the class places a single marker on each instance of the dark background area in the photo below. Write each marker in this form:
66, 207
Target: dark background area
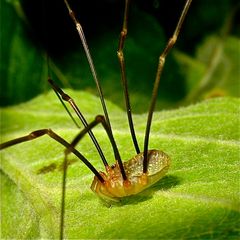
31, 30
52, 25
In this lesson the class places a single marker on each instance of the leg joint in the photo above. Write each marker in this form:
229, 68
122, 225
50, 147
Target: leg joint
39, 133
100, 118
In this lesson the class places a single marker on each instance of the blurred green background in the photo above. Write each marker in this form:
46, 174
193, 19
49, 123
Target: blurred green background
204, 63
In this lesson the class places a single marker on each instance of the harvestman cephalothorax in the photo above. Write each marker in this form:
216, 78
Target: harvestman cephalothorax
123, 178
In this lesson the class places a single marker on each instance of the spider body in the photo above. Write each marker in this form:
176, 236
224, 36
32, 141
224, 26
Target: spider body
115, 187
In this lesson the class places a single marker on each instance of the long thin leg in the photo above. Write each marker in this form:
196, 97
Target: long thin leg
69, 148
67, 110
62, 96
64, 181
162, 58
90, 61
67, 98
38, 133
73, 144
121, 59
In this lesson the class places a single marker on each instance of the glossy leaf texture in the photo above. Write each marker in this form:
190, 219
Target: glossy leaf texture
198, 198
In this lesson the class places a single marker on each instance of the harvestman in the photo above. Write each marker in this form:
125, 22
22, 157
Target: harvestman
123, 178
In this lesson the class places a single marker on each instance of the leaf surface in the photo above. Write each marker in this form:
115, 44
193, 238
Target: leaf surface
198, 198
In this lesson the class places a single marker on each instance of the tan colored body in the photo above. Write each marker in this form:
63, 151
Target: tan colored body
115, 187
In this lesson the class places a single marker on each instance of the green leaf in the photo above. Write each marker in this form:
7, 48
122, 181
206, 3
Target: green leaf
198, 198
23, 66
214, 71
